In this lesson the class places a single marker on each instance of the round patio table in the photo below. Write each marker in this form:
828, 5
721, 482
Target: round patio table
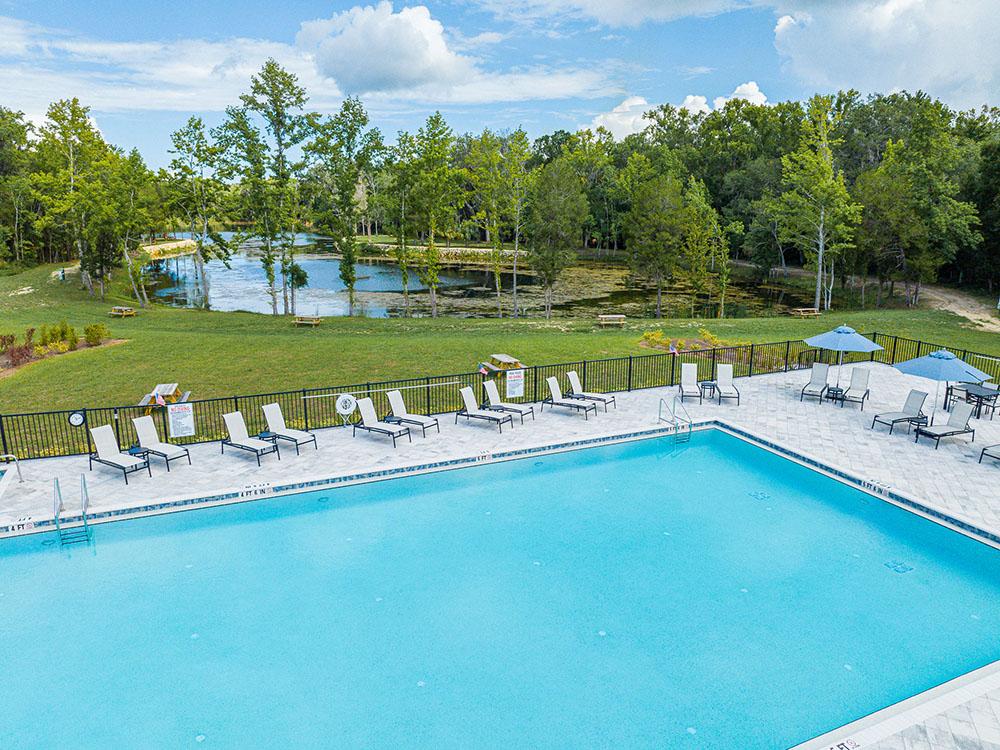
979, 395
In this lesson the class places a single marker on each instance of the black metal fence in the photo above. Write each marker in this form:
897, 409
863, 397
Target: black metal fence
42, 434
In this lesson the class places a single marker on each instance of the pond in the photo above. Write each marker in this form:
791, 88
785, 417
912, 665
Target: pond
587, 288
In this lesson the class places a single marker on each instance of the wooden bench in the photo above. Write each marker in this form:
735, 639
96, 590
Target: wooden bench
805, 312
122, 312
307, 320
611, 320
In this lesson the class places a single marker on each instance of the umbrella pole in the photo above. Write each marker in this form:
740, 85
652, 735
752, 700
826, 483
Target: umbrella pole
840, 363
937, 390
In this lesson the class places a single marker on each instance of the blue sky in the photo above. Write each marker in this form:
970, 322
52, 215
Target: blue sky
144, 66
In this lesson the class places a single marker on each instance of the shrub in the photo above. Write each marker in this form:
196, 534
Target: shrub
40, 351
72, 339
59, 347
63, 330
96, 333
43, 336
20, 354
7, 340
29, 336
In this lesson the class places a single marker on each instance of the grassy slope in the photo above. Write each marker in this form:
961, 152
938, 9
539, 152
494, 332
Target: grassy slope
215, 354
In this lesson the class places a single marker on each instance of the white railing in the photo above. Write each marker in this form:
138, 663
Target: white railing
17, 465
672, 417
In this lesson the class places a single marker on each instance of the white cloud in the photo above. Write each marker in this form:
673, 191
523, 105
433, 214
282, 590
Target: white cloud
946, 48
382, 53
695, 104
749, 91
611, 12
625, 119
693, 71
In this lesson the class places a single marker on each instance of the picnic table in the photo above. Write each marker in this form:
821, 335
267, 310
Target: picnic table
169, 392
307, 320
119, 311
611, 320
805, 312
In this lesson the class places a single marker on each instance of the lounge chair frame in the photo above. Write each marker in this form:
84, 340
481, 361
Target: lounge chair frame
938, 436
498, 419
279, 435
577, 404
125, 470
910, 420
718, 388
407, 418
990, 451
258, 452
519, 409
597, 398
167, 458
697, 392
394, 433
822, 391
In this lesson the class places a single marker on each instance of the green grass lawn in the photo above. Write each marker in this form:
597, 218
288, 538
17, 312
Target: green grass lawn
215, 354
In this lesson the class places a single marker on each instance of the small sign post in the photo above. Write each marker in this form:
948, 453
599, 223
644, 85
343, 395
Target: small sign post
515, 383
180, 420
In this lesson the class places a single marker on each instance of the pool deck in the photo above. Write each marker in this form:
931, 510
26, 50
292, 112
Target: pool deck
949, 480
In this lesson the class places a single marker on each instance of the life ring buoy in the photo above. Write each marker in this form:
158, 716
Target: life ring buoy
346, 404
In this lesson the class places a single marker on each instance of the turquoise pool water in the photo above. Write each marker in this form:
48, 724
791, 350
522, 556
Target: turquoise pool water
630, 596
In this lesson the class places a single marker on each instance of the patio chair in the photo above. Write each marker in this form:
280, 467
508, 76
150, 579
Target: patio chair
401, 416
107, 452
990, 404
276, 426
371, 423
576, 391
857, 391
957, 424
990, 451
556, 399
149, 440
240, 438
724, 387
471, 410
495, 403
911, 412
689, 387
818, 382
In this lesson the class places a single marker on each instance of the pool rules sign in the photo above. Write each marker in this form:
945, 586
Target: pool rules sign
180, 420
515, 383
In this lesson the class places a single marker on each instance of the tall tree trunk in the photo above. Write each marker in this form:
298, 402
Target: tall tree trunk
517, 238
659, 298
820, 249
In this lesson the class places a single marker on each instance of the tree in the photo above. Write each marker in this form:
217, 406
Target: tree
15, 183
815, 211
519, 178
277, 98
198, 194
402, 173
347, 149
706, 245
557, 215
655, 231
436, 190
485, 172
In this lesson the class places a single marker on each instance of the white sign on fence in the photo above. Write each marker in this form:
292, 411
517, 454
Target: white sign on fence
180, 420
515, 383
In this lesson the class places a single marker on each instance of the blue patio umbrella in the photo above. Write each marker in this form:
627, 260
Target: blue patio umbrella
842, 339
942, 367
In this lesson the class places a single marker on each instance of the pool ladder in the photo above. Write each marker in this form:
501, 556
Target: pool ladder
11, 457
677, 416
71, 534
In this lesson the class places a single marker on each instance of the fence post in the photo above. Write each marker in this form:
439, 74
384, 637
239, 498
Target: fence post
427, 396
86, 430
629, 372
895, 340
788, 350
711, 375
534, 383
673, 369
584, 375
3, 436
305, 409
750, 370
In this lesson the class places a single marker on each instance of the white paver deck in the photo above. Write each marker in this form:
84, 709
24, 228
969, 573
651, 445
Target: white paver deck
948, 479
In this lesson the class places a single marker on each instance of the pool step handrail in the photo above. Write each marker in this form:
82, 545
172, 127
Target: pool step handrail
17, 465
680, 422
72, 534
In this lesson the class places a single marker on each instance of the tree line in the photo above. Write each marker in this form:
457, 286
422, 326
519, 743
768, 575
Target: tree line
878, 191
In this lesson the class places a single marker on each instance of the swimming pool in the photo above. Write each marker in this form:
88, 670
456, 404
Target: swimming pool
712, 595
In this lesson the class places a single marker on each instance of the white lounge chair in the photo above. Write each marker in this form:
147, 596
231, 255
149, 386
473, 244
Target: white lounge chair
576, 391
556, 399
471, 410
149, 440
689, 387
240, 438
401, 415
818, 382
912, 412
957, 424
276, 426
495, 403
371, 423
857, 391
107, 452
724, 387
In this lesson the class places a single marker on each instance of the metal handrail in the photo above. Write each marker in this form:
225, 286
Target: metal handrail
659, 417
17, 465
678, 401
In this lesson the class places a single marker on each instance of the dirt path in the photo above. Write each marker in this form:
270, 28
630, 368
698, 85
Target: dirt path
976, 311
